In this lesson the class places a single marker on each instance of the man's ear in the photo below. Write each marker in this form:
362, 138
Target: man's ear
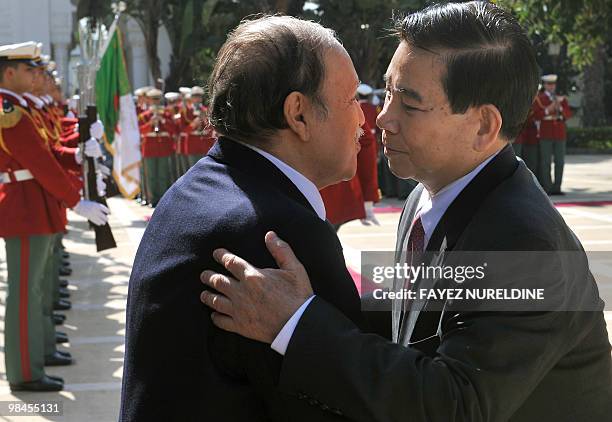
295, 109
490, 123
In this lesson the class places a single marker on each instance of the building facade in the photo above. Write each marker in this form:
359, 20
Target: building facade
53, 22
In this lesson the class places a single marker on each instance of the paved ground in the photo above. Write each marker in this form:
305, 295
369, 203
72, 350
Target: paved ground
99, 285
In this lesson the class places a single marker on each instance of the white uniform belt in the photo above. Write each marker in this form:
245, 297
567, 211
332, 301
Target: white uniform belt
18, 176
552, 118
156, 134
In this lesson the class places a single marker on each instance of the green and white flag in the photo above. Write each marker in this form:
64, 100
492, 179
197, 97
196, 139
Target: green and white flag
118, 113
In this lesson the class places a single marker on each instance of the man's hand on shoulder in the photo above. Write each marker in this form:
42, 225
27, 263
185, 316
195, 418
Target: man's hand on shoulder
257, 302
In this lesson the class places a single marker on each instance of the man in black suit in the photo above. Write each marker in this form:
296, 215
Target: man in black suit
459, 88
264, 173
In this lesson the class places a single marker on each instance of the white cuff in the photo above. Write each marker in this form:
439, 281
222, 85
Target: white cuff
283, 338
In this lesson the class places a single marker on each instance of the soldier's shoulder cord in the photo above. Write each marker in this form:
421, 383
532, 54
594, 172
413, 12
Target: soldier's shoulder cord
10, 114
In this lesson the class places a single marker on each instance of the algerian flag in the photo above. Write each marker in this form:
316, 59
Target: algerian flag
118, 113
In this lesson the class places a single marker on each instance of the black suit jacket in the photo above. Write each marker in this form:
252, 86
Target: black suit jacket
178, 365
483, 366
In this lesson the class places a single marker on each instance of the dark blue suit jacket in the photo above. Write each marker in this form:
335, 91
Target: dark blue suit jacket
178, 365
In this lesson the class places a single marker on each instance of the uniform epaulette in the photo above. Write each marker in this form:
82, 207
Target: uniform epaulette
9, 114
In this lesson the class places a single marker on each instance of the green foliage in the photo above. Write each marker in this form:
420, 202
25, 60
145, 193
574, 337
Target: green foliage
582, 25
598, 138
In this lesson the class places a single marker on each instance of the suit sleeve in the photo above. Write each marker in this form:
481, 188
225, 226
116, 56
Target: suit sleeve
26, 146
487, 364
371, 379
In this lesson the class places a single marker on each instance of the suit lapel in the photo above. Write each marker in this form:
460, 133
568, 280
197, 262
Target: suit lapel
410, 208
454, 221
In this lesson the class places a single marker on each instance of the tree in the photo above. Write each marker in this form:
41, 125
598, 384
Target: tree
364, 26
148, 14
583, 26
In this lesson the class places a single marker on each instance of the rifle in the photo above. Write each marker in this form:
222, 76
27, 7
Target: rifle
104, 235
89, 39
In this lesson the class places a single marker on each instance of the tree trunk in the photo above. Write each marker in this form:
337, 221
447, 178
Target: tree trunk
151, 34
593, 110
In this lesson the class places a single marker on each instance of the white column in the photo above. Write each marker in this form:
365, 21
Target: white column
60, 55
60, 23
138, 65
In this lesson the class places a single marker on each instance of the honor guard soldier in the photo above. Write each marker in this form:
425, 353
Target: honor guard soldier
181, 144
354, 199
141, 99
197, 135
552, 111
33, 190
527, 143
47, 120
144, 114
157, 149
174, 107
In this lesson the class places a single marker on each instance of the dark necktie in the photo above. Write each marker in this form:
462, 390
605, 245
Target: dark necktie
414, 252
416, 239
413, 247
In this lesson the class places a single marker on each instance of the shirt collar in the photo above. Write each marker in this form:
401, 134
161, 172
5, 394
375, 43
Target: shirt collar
305, 186
431, 209
37, 101
22, 101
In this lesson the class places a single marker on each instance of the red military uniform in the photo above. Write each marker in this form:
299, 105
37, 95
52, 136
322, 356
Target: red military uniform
344, 201
196, 140
33, 206
527, 142
552, 140
157, 143
552, 125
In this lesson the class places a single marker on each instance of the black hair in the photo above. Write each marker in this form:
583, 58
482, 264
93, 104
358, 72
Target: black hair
5, 64
489, 58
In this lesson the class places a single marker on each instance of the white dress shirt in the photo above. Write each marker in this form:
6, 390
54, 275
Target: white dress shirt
305, 186
431, 210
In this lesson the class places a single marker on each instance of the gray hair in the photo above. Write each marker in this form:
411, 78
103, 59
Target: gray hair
263, 61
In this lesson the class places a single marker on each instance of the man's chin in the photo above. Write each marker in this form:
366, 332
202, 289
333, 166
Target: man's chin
399, 171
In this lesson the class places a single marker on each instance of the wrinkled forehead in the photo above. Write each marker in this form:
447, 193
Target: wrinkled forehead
339, 69
418, 69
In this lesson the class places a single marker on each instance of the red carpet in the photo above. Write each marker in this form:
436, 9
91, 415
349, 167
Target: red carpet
364, 285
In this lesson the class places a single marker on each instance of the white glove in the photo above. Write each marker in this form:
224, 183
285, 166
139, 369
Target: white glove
94, 212
370, 218
100, 185
106, 172
92, 148
78, 157
96, 130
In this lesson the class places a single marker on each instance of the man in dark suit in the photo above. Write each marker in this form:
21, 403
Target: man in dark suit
263, 174
459, 88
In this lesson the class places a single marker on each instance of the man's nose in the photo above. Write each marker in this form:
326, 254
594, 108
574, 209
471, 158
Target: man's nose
361, 115
385, 121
